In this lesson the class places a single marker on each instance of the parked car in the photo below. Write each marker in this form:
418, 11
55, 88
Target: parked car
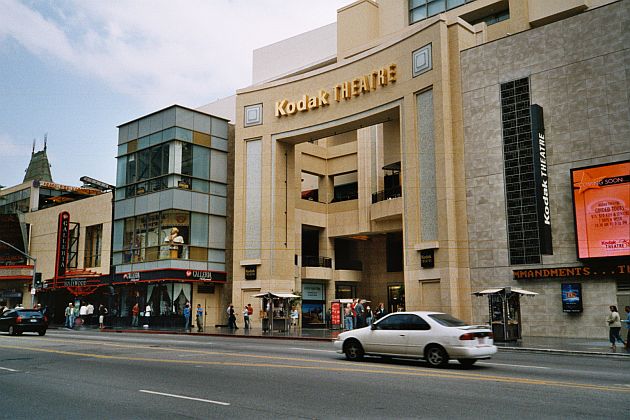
17, 321
433, 336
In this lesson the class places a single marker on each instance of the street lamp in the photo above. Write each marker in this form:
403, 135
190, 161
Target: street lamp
34, 269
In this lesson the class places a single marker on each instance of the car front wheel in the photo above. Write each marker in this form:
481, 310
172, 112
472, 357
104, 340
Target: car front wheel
353, 350
436, 356
11, 330
42, 332
467, 362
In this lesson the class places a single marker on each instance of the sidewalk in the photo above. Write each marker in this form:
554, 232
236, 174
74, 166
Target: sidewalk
558, 345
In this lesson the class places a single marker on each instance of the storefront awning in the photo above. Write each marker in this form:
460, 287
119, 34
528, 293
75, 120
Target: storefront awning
276, 295
503, 290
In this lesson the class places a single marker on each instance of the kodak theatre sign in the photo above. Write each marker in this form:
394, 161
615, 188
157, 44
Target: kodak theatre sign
345, 90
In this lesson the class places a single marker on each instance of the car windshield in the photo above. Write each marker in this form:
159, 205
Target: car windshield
447, 320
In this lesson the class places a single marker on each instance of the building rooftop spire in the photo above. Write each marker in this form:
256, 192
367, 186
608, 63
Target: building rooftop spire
38, 167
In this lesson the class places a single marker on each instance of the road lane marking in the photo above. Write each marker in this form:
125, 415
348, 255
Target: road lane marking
300, 348
183, 397
10, 370
359, 369
519, 366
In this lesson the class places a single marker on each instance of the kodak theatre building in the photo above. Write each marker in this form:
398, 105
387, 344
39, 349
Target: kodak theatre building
390, 157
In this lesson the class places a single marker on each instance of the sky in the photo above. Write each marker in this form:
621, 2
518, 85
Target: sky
75, 69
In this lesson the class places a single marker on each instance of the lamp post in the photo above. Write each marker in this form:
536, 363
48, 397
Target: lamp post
34, 269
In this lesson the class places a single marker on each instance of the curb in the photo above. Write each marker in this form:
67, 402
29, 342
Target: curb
565, 352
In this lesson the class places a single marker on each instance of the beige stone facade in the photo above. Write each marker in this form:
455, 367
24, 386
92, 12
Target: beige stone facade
339, 122
578, 72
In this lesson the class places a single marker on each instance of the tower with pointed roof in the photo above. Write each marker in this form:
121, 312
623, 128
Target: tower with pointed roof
38, 167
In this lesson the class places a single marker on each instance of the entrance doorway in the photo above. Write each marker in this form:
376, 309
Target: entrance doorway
396, 298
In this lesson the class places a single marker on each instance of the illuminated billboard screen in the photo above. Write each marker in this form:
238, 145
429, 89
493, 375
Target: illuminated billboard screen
601, 202
571, 297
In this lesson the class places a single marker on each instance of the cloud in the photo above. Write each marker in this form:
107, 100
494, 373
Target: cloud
11, 148
161, 51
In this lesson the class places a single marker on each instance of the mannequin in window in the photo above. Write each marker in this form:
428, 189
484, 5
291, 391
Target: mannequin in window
175, 242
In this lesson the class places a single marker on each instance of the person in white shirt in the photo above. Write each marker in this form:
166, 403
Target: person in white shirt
147, 315
90, 313
83, 313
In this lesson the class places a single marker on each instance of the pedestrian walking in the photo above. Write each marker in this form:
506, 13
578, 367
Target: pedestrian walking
102, 313
199, 318
614, 324
627, 325
246, 324
232, 318
135, 312
187, 316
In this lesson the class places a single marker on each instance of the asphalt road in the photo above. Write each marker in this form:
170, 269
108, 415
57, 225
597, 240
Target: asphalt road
89, 375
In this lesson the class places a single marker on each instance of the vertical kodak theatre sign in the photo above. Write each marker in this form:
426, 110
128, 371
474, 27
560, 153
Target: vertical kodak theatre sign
358, 86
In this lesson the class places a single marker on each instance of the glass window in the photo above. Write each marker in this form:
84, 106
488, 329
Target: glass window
131, 169
187, 159
121, 171
346, 187
448, 320
129, 245
93, 245
144, 142
436, 6
199, 229
143, 164
183, 134
201, 162
392, 322
415, 322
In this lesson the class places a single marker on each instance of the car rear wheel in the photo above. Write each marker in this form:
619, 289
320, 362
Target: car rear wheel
42, 332
353, 350
467, 362
436, 356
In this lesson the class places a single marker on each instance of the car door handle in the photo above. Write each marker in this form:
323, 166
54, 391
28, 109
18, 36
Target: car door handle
402, 335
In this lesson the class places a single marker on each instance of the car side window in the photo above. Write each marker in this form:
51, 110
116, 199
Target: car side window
415, 322
392, 322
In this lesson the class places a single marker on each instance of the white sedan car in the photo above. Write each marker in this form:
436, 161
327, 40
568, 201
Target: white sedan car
433, 336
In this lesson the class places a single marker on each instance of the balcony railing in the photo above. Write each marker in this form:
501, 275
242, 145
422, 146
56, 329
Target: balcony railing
312, 261
387, 194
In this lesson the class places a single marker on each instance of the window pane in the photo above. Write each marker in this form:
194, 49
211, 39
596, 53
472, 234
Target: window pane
131, 169
454, 3
156, 161
143, 164
183, 134
418, 14
201, 162
415, 3
199, 230
187, 159
436, 6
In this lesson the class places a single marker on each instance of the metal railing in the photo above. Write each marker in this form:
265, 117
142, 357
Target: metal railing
387, 194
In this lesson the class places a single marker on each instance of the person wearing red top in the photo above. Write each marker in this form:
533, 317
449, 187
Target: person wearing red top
135, 311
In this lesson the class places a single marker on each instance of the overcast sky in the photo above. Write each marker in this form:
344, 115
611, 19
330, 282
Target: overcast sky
76, 69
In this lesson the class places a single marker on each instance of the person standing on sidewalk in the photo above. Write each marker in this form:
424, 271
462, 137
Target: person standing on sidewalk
90, 313
199, 318
187, 316
627, 325
69, 313
295, 316
102, 313
147, 315
614, 323
246, 318
135, 311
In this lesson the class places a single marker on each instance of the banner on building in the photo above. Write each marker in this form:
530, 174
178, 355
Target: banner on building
541, 179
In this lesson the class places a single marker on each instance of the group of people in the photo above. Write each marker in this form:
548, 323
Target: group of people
614, 326
358, 314
83, 314
248, 311
198, 317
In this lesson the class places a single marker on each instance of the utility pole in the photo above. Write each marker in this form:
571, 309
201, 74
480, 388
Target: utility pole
34, 269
